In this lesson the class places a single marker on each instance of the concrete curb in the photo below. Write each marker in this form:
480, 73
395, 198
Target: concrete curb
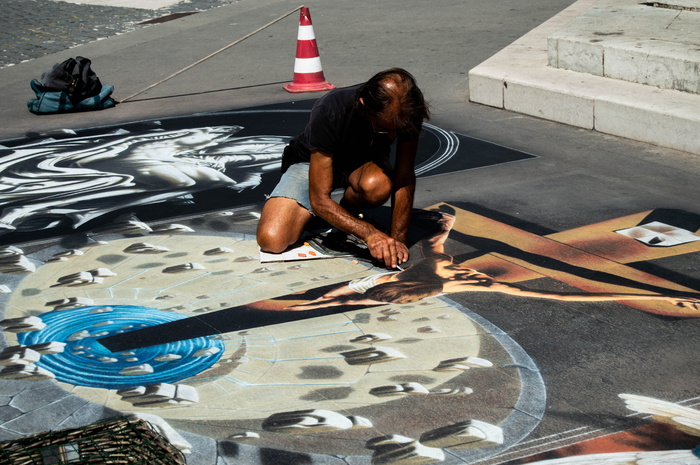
519, 79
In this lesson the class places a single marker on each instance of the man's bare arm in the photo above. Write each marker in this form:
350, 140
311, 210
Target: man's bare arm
404, 187
381, 246
320, 188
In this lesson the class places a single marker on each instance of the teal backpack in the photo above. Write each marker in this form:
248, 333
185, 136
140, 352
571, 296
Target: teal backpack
70, 86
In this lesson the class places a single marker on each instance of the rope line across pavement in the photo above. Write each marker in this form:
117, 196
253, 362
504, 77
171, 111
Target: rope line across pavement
213, 54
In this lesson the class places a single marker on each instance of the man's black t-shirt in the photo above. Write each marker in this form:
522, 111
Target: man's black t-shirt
337, 128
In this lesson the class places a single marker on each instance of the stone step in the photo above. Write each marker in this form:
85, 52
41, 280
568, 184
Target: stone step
519, 79
656, 44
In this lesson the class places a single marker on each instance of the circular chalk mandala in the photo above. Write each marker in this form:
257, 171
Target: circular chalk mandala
430, 372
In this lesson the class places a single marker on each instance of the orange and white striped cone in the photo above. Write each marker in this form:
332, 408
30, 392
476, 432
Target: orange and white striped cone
308, 74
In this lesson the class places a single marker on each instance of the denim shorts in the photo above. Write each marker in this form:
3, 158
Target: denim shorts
294, 185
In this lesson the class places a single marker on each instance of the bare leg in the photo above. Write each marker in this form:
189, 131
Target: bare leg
282, 222
369, 186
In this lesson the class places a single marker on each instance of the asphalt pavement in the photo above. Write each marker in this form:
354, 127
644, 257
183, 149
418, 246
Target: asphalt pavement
578, 177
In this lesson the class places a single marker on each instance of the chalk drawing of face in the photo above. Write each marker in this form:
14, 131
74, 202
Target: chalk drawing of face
53, 181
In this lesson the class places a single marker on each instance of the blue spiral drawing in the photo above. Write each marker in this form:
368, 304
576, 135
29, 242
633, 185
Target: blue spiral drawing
86, 362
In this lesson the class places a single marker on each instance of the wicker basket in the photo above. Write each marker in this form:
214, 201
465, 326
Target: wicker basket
115, 441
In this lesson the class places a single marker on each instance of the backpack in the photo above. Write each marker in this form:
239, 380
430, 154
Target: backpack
49, 102
75, 77
70, 86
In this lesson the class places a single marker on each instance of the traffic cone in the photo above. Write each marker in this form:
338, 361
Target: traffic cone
308, 74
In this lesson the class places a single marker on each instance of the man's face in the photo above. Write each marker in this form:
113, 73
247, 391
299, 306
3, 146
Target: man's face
383, 126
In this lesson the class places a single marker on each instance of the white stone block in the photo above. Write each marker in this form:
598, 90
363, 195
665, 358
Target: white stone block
46, 348
550, 103
401, 450
23, 324
185, 393
372, 355
485, 89
575, 55
464, 435
307, 421
658, 119
137, 370
18, 354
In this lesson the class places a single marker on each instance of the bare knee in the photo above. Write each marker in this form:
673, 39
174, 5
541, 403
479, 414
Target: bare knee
282, 222
368, 186
271, 241
374, 190
273, 236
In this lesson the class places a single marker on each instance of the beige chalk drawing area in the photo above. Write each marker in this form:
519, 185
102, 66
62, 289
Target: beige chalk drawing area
365, 382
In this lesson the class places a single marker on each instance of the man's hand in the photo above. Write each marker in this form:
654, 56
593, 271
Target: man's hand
387, 249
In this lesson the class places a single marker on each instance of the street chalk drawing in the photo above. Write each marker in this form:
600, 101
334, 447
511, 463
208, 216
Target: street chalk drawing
151, 300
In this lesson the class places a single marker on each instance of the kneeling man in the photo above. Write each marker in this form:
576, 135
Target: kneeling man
347, 144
